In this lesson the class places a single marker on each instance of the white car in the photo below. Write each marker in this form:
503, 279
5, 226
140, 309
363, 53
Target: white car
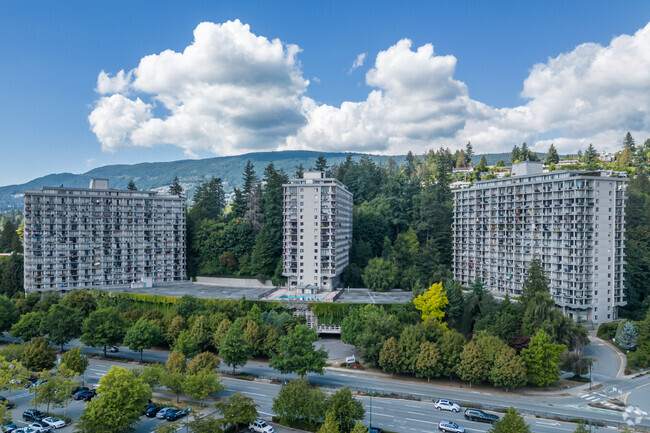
161, 414
25, 430
450, 427
447, 405
40, 427
54, 422
260, 426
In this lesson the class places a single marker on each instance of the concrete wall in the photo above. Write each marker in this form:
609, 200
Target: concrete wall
233, 282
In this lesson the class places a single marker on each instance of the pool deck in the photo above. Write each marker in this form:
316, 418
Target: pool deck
295, 295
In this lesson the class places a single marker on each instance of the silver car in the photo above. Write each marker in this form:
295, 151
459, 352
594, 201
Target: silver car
447, 405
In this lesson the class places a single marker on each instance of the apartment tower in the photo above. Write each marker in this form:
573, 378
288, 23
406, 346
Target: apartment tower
317, 232
101, 237
573, 221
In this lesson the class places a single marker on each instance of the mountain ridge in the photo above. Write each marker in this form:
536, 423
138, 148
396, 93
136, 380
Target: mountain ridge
152, 175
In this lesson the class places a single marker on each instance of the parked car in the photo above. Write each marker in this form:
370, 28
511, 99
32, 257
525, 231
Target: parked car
260, 426
113, 349
9, 427
36, 383
162, 412
446, 405
86, 395
375, 430
4, 402
450, 427
53, 422
33, 415
25, 430
40, 427
148, 406
152, 411
479, 415
80, 388
175, 415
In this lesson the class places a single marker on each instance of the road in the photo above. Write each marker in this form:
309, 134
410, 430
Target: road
392, 414
635, 391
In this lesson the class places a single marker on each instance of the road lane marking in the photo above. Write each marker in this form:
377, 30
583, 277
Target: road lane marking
265, 413
381, 414
420, 420
254, 393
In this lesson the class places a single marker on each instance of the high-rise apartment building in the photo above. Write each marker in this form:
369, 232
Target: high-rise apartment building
573, 221
101, 238
317, 232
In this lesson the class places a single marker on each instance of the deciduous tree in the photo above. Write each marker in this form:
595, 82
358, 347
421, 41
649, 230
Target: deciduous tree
390, 357
542, 360
61, 324
511, 422
428, 361
104, 327
296, 353
202, 384
298, 401
472, 364
346, 409
9, 314
39, 355
28, 327
142, 335
237, 410
235, 350
508, 370
432, 302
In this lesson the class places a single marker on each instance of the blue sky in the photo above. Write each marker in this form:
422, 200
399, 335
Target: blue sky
468, 87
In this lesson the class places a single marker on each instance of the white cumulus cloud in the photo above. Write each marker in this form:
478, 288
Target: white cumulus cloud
232, 91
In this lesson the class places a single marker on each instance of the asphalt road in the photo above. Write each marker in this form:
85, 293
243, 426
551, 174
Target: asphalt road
635, 391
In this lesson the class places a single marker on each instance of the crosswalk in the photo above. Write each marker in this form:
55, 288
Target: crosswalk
603, 397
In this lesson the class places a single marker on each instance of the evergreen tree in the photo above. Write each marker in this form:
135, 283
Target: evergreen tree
300, 172
627, 337
209, 199
329, 425
591, 157
131, 186
511, 422
501, 163
515, 155
249, 177
321, 163
482, 165
176, 188
254, 213
9, 239
262, 259
11, 273
551, 156
461, 160
535, 282
628, 142
542, 360
239, 203
469, 153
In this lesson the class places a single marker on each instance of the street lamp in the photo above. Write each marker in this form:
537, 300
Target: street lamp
370, 391
187, 423
590, 376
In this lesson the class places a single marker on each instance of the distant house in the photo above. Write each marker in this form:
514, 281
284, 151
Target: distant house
566, 162
607, 157
459, 185
463, 170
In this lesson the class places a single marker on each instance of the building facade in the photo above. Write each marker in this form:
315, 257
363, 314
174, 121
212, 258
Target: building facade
101, 238
317, 232
573, 221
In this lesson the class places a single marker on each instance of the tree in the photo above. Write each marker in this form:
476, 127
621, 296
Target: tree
580, 429
329, 425
237, 410
377, 328
205, 361
11, 274
61, 324
104, 327
8, 314
429, 363
346, 409
185, 344
28, 327
235, 350
80, 300
151, 374
535, 282
209, 199
509, 370
296, 353
469, 153
551, 156
174, 381
627, 337
9, 239
461, 161
515, 155
220, 333
74, 361
628, 141
472, 364
321, 163
131, 186
118, 405
542, 359
390, 357
176, 188
57, 390
176, 362
482, 165
202, 384
380, 275
432, 302
143, 335
300, 172
297, 401
511, 422
39, 355
262, 257
591, 157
